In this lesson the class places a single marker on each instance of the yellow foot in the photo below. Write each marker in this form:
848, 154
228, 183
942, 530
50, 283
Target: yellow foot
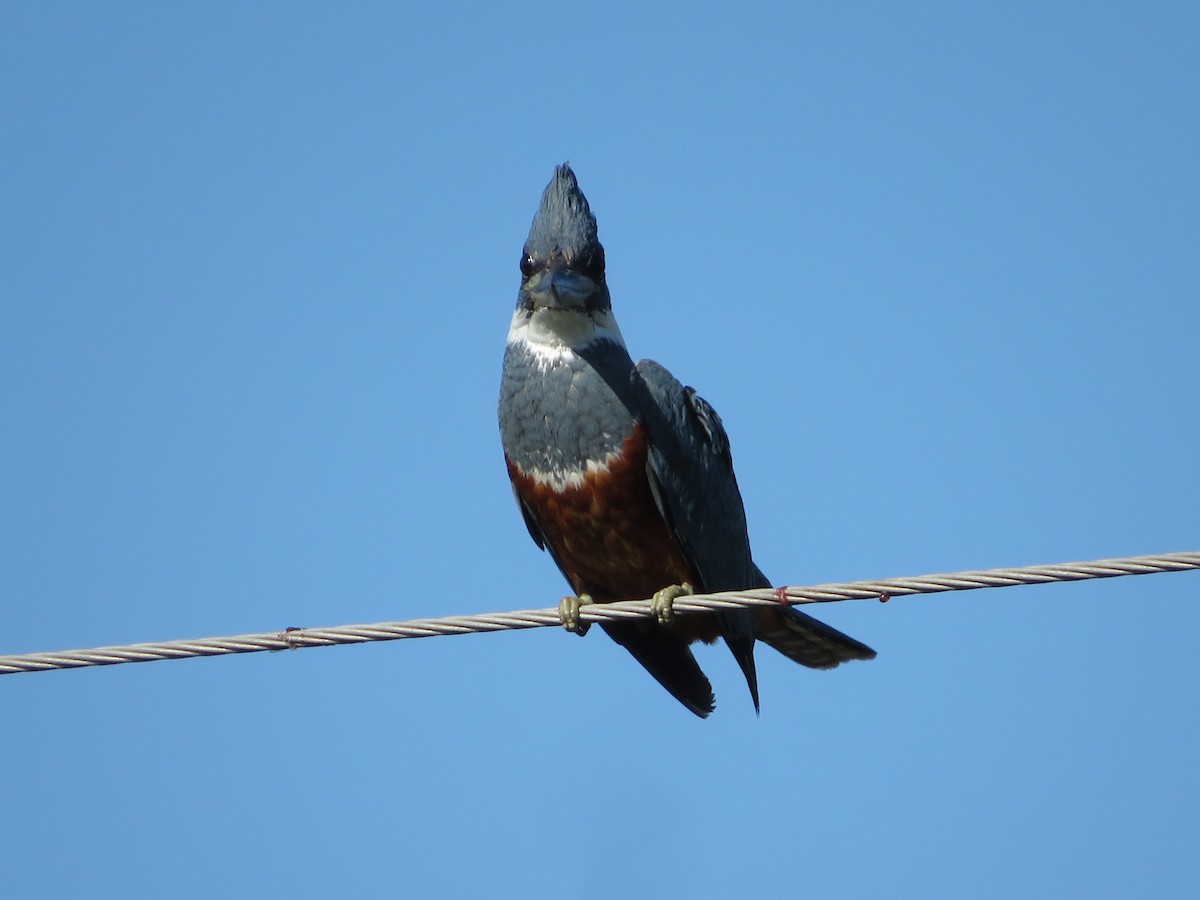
663, 602
568, 613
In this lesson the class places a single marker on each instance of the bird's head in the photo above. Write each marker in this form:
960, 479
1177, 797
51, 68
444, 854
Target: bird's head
562, 263
563, 305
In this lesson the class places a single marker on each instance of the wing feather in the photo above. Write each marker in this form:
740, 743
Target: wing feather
691, 475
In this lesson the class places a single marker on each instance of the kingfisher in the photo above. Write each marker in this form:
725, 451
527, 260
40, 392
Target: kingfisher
625, 476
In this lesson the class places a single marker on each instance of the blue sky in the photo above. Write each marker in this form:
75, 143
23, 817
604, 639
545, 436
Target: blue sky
934, 264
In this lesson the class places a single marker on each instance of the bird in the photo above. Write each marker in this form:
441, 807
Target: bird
625, 476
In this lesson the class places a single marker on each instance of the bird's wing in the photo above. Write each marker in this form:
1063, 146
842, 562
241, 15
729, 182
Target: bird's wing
693, 481
691, 476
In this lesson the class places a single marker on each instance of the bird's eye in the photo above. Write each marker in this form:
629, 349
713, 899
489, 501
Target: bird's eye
526, 265
593, 264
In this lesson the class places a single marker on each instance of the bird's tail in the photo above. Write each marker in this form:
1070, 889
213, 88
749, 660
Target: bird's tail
668, 659
806, 640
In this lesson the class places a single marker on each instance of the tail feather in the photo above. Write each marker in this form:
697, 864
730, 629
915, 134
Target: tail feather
737, 627
808, 641
669, 660
742, 649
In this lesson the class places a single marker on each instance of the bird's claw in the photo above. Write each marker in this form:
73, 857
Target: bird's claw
662, 604
568, 613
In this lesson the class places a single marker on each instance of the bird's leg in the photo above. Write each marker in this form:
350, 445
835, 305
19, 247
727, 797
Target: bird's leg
568, 613
663, 602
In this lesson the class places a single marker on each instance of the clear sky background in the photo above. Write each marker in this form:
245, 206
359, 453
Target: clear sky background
935, 265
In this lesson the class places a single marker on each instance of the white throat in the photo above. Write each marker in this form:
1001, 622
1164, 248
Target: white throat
557, 334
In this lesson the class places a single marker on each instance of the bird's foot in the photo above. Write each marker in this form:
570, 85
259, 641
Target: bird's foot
568, 613
662, 604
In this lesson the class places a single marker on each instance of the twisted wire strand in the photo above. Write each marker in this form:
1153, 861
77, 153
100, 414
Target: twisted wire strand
885, 589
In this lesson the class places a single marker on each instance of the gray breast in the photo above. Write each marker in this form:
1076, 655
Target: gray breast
556, 418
